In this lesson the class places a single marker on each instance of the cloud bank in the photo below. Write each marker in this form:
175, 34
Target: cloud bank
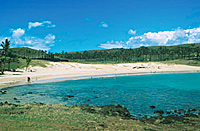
167, 38
21, 38
47, 24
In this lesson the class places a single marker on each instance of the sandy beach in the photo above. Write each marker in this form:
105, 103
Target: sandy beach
69, 70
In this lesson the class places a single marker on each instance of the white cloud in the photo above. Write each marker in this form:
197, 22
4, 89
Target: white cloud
112, 44
103, 24
43, 23
18, 33
178, 36
50, 38
132, 32
38, 43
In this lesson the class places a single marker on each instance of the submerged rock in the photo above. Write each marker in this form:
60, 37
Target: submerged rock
70, 96
160, 112
168, 112
193, 110
42, 94
152, 107
65, 98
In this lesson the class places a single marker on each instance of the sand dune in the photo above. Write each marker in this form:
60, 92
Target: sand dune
68, 69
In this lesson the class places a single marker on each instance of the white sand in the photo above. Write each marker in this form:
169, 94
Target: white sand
68, 69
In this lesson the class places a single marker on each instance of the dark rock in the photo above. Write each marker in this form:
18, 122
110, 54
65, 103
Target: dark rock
103, 125
15, 105
1, 103
41, 94
152, 107
30, 92
166, 120
22, 94
87, 108
188, 111
112, 110
115, 110
17, 101
70, 96
15, 98
65, 98
40, 104
160, 112
191, 115
179, 112
5, 102
168, 112
193, 110
3, 92
145, 116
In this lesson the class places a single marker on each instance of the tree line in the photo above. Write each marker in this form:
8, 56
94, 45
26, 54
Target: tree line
142, 54
162, 53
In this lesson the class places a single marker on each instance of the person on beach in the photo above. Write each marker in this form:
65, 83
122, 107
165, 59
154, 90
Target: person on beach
28, 79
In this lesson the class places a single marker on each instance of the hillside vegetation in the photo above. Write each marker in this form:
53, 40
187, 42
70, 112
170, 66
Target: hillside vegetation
188, 54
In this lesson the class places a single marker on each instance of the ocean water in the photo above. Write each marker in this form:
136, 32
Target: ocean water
165, 91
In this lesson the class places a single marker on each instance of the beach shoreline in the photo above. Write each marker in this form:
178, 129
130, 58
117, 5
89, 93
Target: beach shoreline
61, 71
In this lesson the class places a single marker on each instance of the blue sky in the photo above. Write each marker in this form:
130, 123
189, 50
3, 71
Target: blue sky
77, 25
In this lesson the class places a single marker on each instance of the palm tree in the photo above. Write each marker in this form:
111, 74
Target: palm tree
5, 46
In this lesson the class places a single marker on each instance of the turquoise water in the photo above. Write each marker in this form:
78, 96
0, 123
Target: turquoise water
165, 91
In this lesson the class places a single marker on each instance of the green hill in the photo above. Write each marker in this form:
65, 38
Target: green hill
180, 54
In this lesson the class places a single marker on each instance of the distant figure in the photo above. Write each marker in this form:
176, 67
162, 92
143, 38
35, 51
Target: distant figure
28, 79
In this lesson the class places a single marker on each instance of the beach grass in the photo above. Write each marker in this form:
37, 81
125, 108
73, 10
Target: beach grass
183, 62
21, 63
59, 117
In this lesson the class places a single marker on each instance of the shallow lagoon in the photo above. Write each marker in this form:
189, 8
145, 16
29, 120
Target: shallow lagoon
138, 92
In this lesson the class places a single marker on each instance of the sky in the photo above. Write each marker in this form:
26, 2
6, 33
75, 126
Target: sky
79, 25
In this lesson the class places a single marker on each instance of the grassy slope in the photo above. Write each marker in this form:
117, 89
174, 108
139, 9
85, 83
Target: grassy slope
59, 117
22, 63
183, 62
